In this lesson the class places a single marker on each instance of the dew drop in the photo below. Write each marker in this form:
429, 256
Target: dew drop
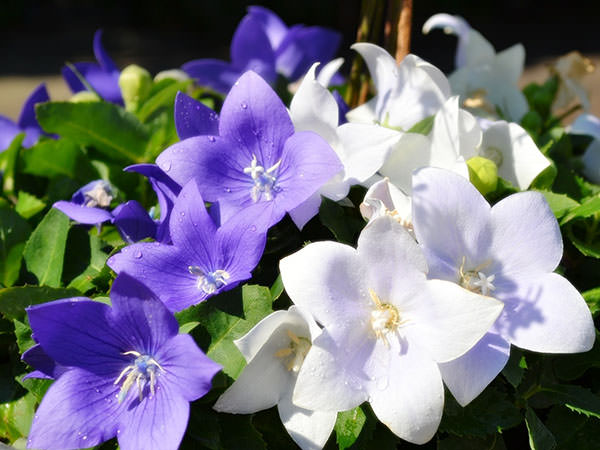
212, 139
137, 255
227, 189
166, 166
84, 437
244, 105
182, 213
253, 228
97, 390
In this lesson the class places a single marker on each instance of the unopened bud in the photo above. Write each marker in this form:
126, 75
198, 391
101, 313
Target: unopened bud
84, 97
483, 173
135, 83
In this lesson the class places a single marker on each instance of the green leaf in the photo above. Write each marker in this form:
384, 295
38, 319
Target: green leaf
573, 431
28, 205
491, 442
203, 430
8, 164
187, 327
348, 426
277, 288
572, 366
586, 209
55, 158
16, 417
85, 281
576, 398
37, 386
14, 300
14, 231
423, 127
591, 249
110, 129
23, 335
592, 298
45, 249
239, 433
560, 204
224, 327
164, 97
513, 372
540, 438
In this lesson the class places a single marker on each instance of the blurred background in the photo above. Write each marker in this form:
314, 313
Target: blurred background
38, 36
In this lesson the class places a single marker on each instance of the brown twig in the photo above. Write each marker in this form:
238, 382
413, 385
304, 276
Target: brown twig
404, 25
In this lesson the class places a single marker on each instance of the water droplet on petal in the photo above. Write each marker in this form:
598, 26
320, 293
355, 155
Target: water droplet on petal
137, 255
253, 228
212, 139
244, 105
182, 213
166, 166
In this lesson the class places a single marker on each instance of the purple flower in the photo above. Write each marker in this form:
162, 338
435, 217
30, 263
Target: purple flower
103, 76
257, 159
89, 205
193, 118
129, 373
203, 260
27, 122
508, 252
264, 44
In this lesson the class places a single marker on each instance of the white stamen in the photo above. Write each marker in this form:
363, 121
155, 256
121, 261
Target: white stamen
99, 196
295, 353
475, 280
140, 372
264, 180
209, 282
385, 318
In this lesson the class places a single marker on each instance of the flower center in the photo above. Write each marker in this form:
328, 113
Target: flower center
99, 196
385, 318
141, 372
475, 280
264, 180
209, 282
293, 356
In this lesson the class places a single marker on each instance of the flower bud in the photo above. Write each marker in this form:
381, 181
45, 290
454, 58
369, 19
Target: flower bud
135, 83
483, 173
84, 97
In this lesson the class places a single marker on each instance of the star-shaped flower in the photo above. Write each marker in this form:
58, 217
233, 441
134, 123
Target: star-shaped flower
128, 372
508, 252
257, 159
275, 350
385, 328
203, 260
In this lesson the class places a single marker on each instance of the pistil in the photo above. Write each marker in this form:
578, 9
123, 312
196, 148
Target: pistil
295, 353
209, 282
142, 371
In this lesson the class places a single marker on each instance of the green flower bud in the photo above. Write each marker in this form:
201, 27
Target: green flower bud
483, 173
84, 97
135, 83
171, 74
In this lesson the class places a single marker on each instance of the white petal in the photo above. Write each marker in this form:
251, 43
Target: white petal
364, 148
327, 280
526, 238
309, 429
586, 124
413, 151
411, 400
511, 62
478, 50
448, 320
384, 196
467, 376
451, 25
262, 382
522, 161
546, 314
329, 70
364, 113
313, 108
332, 377
306, 210
591, 161
382, 66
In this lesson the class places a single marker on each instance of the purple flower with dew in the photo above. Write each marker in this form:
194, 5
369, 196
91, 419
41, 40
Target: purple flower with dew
257, 160
27, 122
45, 366
89, 205
129, 373
264, 44
103, 77
193, 118
508, 252
204, 259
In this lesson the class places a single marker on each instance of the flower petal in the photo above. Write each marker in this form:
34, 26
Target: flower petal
79, 410
156, 423
83, 214
272, 25
216, 74
451, 221
468, 376
410, 400
251, 49
451, 25
526, 237
193, 118
547, 314
133, 222
27, 116
8, 131
101, 55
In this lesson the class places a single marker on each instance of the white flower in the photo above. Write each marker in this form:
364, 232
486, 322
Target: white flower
275, 350
406, 93
483, 78
571, 70
385, 328
589, 125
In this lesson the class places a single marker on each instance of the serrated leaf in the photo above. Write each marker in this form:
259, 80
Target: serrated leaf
560, 204
53, 158
28, 205
14, 300
576, 398
591, 249
348, 426
245, 308
573, 431
45, 249
540, 438
586, 209
108, 128
14, 231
